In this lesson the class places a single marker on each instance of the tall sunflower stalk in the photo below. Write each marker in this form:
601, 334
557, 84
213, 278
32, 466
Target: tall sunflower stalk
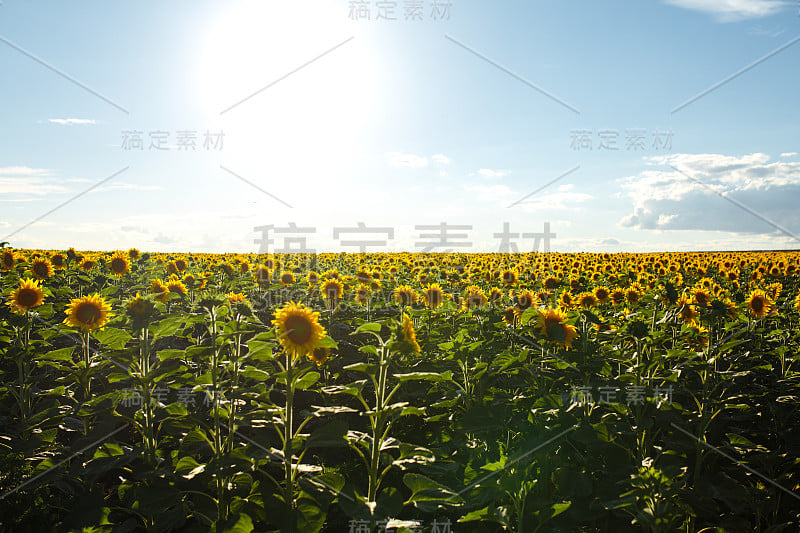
300, 334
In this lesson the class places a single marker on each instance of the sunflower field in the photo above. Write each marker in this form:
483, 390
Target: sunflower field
399, 392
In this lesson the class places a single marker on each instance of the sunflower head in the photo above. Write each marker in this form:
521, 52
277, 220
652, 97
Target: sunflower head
434, 296
88, 313
299, 329
27, 296
405, 296
41, 268
140, 310
758, 303
552, 324
474, 297
158, 288
320, 355
687, 311
404, 338
119, 265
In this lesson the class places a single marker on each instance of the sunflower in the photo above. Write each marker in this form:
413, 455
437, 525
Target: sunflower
551, 283
686, 310
41, 268
602, 294
405, 336
566, 301
523, 301
474, 297
701, 296
298, 328
8, 260
495, 295
262, 274
434, 296
362, 294
28, 295
235, 297
510, 316
180, 264
618, 296
404, 296
87, 265
58, 261
320, 355
140, 310
797, 302
175, 285
552, 324
158, 287
119, 265
312, 278
88, 313
508, 277
133, 254
758, 303
633, 294
331, 291
587, 300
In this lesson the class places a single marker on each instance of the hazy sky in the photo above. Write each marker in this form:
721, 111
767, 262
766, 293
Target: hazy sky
627, 126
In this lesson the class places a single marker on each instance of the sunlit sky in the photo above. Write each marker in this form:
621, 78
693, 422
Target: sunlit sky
625, 126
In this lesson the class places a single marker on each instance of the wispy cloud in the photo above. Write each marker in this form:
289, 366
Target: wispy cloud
441, 159
28, 185
71, 121
399, 159
489, 173
23, 171
733, 10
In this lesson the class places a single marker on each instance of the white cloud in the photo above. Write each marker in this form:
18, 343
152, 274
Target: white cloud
492, 193
71, 121
23, 171
702, 193
441, 159
733, 10
399, 159
489, 173
788, 154
128, 187
28, 185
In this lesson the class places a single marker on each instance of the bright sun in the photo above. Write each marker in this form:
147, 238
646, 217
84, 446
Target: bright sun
260, 77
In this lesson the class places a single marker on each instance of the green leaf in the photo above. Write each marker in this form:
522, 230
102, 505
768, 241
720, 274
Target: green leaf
424, 489
369, 327
425, 376
307, 380
329, 435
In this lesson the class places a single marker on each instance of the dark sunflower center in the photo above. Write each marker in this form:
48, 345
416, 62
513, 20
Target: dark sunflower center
298, 329
434, 297
758, 304
40, 269
87, 313
27, 297
117, 265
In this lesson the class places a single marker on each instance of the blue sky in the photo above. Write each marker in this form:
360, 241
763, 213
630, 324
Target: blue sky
474, 114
